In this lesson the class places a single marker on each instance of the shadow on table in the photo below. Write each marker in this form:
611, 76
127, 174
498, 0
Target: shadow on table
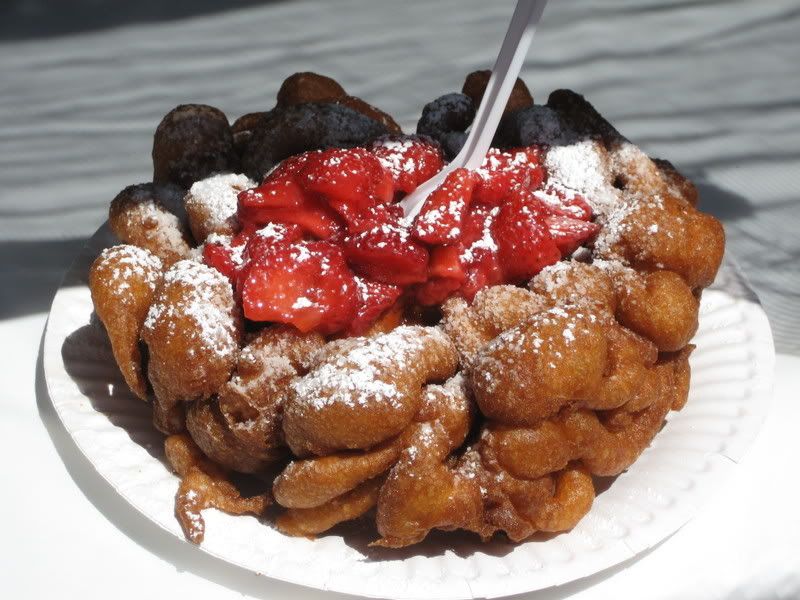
27, 19
31, 272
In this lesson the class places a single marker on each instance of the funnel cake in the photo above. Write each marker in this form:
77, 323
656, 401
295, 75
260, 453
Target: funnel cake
475, 369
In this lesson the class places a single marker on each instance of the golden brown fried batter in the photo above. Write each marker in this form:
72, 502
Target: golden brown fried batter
658, 305
192, 333
204, 485
423, 491
530, 371
607, 442
649, 220
568, 379
123, 281
681, 185
661, 307
494, 310
351, 505
140, 215
191, 142
240, 428
576, 283
211, 205
362, 391
311, 482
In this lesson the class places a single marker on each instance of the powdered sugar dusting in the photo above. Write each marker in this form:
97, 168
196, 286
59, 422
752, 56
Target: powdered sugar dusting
131, 262
363, 375
202, 295
216, 198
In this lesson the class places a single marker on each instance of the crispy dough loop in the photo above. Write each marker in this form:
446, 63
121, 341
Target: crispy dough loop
494, 310
240, 427
659, 306
141, 215
607, 442
654, 222
204, 485
350, 505
530, 371
363, 391
423, 491
192, 332
122, 281
211, 205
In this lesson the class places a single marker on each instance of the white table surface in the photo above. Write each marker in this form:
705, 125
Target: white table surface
712, 85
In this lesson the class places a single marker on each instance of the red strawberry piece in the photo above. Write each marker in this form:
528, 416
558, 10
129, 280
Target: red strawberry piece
264, 241
223, 258
275, 192
479, 255
436, 290
410, 159
391, 214
304, 284
314, 216
446, 263
503, 170
374, 299
568, 233
288, 166
349, 180
524, 243
387, 253
563, 201
441, 219
480, 275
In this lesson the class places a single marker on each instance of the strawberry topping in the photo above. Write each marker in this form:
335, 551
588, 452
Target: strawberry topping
503, 170
374, 299
324, 246
441, 219
305, 284
387, 253
411, 160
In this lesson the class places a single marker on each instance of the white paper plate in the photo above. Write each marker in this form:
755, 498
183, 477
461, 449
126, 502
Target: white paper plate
732, 372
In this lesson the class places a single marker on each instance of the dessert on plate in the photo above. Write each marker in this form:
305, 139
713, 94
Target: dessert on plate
475, 368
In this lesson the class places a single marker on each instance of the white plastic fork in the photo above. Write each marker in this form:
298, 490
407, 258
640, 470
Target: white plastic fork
504, 74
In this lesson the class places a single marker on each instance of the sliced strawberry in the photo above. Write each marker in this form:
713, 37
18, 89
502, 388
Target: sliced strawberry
265, 240
445, 262
410, 159
351, 180
503, 170
436, 290
280, 192
524, 243
388, 254
480, 275
374, 298
569, 233
564, 202
480, 251
223, 258
304, 284
314, 216
441, 220
288, 166
391, 214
